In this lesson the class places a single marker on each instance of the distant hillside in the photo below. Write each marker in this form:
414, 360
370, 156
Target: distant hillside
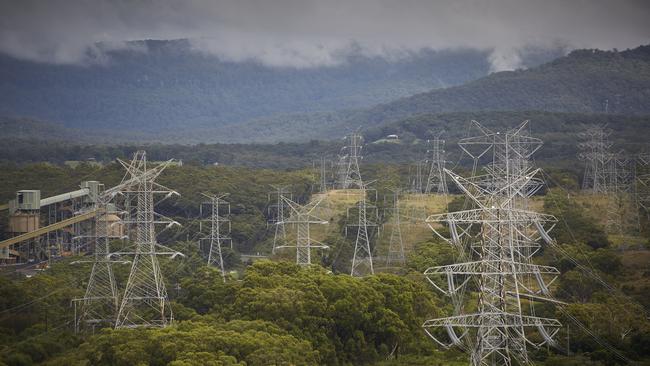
585, 81
557, 130
167, 84
171, 94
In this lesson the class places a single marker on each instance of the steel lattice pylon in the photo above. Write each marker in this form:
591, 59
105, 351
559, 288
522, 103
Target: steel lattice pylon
276, 214
497, 240
349, 172
436, 180
219, 210
396, 244
302, 218
595, 152
362, 258
642, 182
145, 302
100, 302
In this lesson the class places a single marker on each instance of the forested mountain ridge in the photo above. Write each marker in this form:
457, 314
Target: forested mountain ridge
170, 83
585, 81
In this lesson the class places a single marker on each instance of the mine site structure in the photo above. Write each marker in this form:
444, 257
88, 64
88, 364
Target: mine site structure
497, 239
301, 218
217, 210
68, 226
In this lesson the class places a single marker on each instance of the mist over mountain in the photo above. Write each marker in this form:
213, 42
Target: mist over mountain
585, 82
158, 86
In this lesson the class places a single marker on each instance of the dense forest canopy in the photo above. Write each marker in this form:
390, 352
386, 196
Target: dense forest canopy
279, 311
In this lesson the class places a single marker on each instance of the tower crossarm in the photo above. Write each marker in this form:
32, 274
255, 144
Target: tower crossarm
483, 320
457, 275
492, 215
546, 327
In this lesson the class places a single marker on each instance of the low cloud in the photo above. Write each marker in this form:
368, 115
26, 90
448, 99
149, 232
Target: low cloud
310, 33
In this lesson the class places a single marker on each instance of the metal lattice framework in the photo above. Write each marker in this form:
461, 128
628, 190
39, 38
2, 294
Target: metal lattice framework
276, 214
436, 180
302, 217
323, 175
395, 253
99, 305
219, 229
611, 174
622, 211
362, 263
595, 151
349, 172
642, 182
417, 177
145, 302
496, 240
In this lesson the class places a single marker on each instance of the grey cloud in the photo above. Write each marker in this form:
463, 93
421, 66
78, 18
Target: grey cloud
306, 33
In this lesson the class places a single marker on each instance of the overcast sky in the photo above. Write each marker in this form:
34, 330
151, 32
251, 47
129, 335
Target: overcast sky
305, 33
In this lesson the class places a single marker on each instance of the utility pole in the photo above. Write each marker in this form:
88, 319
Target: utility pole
497, 239
436, 180
219, 210
302, 218
145, 302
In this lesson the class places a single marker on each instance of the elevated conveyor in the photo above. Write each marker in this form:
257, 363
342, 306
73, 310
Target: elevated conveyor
46, 229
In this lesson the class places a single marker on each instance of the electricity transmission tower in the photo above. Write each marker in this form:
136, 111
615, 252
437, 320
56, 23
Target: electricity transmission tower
100, 302
322, 179
302, 218
362, 258
595, 152
417, 177
622, 210
436, 181
396, 245
349, 172
276, 214
642, 182
145, 302
219, 210
496, 240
